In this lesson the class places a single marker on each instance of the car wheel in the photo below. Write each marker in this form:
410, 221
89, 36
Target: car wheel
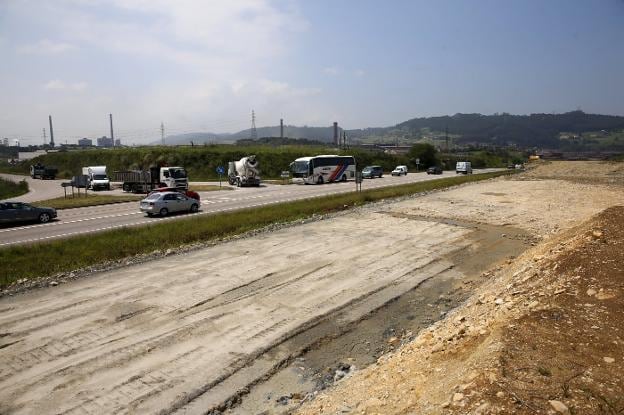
238, 183
44, 217
194, 208
319, 180
343, 178
149, 215
126, 187
164, 212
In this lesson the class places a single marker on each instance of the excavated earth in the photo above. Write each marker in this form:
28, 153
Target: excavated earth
543, 335
452, 301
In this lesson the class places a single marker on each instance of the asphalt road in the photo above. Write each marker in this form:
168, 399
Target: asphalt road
71, 222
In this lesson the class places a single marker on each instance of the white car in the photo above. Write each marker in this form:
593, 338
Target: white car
399, 170
163, 203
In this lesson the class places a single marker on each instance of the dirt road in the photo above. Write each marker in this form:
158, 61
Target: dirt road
186, 333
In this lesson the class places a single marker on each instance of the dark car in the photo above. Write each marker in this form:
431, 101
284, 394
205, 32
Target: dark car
434, 170
13, 212
371, 171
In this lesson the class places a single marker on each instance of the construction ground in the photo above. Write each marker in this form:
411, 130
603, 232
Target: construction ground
504, 296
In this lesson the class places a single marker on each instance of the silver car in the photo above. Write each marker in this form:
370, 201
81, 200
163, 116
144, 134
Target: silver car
13, 212
164, 203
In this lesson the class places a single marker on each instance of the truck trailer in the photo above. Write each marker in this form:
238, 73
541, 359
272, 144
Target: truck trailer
244, 172
39, 171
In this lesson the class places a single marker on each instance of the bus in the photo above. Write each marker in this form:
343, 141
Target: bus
323, 169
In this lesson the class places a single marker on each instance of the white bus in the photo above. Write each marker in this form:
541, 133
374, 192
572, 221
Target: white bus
323, 169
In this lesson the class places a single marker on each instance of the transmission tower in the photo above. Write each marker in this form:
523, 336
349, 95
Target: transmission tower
254, 132
45, 140
162, 133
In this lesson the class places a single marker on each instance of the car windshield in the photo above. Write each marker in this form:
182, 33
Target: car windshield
299, 167
367, 169
178, 173
99, 177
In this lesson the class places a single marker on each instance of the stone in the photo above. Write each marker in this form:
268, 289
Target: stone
591, 292
597, 234
393, 341
499, 301
458, 397
482, 409
559, 407
500, 394
53, 283
608, 359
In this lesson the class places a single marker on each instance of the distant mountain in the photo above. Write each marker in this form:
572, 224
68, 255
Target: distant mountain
322, 134
535, 130
565, 130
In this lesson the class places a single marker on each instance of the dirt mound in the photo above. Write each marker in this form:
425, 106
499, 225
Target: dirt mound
544, 336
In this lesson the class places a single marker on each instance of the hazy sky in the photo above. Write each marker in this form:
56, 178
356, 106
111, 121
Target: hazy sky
203, 65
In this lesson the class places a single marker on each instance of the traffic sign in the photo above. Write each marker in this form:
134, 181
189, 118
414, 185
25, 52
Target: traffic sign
285, 174
220, 170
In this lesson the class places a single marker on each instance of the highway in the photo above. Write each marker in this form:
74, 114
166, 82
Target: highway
72, 222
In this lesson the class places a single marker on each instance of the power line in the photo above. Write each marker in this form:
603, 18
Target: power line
254, 132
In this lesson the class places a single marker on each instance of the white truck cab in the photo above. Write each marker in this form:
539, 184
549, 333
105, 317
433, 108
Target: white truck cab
97, 178
463, 167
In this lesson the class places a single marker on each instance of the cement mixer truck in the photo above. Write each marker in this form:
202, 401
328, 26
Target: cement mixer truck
244, 172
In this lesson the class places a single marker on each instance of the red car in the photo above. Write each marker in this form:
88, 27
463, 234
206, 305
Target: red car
188, 193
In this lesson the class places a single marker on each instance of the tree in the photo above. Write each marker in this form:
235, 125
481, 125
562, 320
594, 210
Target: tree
425, 152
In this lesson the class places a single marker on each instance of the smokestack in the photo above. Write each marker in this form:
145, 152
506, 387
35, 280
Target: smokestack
51, 132
336, 134
281, 128
111, 128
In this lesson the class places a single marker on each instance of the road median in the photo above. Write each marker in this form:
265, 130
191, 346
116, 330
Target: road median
25, 265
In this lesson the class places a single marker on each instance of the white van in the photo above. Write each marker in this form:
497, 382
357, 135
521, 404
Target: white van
463, 167
399, 170
98, 180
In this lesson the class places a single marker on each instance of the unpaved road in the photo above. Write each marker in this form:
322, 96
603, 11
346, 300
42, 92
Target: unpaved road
184, 334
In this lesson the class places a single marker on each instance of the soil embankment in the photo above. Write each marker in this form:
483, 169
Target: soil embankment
543, 335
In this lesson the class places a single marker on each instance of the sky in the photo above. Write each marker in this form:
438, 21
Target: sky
204, 65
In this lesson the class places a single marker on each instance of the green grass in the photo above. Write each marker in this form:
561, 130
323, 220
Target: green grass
9, 189
44, 259
83, 201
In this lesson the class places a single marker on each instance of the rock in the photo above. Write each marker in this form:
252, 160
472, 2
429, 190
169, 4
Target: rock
499, 301
500, 394
558, 406
591, 292
597, 234
393, 341
169, 252
482, 409
53, 283
340, 374
458, 397
533, 304
608, 359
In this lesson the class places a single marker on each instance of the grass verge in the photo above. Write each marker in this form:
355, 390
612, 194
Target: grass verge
9, 189
49, 258
83, 201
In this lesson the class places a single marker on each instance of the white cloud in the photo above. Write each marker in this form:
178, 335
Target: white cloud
359, 73
45, 47
331, 70
55, 84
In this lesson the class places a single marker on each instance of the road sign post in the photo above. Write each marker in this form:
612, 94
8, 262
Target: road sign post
220, 171
285, 175
417, 163
358, 181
